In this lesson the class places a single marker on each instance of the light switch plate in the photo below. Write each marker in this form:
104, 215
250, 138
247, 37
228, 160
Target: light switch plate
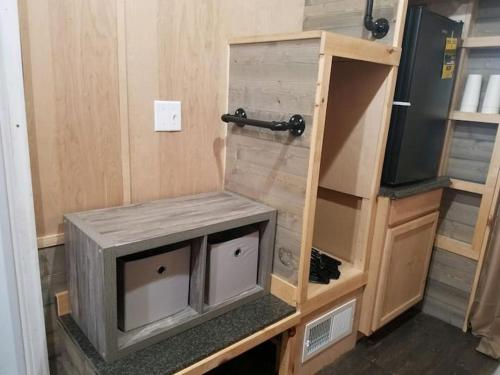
167, 116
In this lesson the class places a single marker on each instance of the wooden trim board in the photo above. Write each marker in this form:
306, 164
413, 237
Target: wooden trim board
361, 50
482, 42
17, 216
123, 99
242, 346
320, 106
313, 34
455, 246
471, 187
50, 240
487, 118
377, 248
283, 290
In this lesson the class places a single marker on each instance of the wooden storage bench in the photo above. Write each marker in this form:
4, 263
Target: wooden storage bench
99, 242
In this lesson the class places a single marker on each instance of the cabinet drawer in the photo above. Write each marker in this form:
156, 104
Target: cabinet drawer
403, 210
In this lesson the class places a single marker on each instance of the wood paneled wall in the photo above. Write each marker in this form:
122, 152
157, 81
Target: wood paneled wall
71, 85
92, 71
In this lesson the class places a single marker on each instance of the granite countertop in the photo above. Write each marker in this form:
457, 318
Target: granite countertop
404, 191
182, 350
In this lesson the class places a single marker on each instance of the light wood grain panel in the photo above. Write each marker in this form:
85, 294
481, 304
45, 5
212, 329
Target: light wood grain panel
177, 50
404, 267
273, 81
73, 107
417, 205
337, 223
353, 122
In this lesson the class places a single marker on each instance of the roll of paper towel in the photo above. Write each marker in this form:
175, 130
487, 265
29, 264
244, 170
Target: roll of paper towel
470, 100
491, 102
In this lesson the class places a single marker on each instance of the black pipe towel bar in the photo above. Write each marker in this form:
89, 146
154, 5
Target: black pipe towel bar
296, 125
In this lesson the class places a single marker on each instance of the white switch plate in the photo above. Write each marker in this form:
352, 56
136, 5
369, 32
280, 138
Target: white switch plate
167, 116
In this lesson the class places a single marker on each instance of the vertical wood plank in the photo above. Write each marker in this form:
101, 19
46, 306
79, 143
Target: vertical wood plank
73, 107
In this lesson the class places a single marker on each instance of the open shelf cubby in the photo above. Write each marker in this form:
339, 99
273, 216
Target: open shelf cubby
348, 174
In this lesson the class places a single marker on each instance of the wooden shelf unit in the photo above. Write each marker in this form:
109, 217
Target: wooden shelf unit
344, 93
474, 43
96, 240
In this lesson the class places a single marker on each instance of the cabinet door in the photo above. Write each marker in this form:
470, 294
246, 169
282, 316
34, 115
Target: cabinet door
405, 263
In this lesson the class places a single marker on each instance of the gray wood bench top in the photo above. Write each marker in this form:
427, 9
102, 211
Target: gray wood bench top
121, 225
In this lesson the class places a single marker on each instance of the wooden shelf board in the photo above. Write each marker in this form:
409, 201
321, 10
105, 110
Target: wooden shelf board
351, 278
482, 42
475, 117
471, 187
455, 246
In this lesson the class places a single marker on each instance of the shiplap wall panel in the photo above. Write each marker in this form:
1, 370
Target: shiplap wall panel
488, 14
273, 168
471, 151
346, 16
448, 287
71, 87
458, 214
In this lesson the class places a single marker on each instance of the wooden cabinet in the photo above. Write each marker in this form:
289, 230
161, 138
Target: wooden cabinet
403, 271
402, 247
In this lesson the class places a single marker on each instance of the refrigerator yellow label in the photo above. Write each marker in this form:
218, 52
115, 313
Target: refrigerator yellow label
450, 58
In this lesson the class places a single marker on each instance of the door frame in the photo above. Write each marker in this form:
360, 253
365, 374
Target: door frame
19, 216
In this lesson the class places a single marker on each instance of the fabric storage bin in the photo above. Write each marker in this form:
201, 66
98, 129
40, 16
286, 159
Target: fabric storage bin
152, 287
232, 267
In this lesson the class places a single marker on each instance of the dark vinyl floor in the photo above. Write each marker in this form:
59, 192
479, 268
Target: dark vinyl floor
415, 344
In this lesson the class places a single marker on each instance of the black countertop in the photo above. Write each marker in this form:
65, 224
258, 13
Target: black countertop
188, 347
404, 191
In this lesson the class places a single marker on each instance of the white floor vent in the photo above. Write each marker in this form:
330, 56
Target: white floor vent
328, 329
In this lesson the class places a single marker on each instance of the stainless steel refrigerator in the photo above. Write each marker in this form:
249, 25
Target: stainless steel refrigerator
422, 97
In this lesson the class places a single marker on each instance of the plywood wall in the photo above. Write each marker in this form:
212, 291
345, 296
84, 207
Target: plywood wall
92, 71
70, 69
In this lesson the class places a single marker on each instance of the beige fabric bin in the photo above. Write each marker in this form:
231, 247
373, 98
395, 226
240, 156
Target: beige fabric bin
232, 268
154, 287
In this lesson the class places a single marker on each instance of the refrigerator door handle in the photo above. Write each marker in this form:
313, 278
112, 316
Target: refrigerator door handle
402, 104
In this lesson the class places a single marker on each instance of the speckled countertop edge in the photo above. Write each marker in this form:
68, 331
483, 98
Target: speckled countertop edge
416, 188
182, 350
